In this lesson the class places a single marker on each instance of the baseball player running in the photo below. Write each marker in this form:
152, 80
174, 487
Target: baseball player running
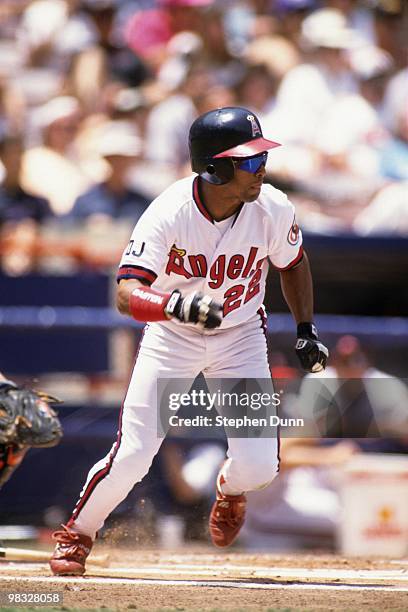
195, 271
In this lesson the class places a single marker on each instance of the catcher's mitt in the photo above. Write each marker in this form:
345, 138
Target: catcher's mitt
26, 417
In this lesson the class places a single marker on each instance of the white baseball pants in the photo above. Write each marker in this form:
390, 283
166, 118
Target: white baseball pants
172, 351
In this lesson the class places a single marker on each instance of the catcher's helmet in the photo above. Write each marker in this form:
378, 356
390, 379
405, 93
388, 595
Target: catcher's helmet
221, 134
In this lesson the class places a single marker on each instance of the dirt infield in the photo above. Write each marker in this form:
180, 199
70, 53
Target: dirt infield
199, 580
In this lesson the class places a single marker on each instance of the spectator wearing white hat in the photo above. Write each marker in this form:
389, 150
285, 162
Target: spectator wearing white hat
352, 133
359, 16
114, 198
308, 90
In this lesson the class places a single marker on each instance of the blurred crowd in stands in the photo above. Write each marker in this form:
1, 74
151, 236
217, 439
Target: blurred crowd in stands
97, 96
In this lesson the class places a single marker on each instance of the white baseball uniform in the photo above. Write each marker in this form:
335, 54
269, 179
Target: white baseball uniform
177, 244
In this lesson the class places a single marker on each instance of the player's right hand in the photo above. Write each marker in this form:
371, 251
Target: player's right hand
194, 308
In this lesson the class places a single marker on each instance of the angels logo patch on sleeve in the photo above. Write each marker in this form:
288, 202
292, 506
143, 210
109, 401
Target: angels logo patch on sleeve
293, 234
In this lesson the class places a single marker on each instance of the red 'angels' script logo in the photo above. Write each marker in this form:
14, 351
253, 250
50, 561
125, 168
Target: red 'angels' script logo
236, 267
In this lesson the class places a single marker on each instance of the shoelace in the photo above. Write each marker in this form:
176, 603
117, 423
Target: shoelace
66, 536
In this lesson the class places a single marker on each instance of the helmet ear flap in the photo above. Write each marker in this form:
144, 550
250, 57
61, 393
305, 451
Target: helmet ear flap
217, 171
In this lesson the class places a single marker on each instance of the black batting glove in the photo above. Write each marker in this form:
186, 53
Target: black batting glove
194, 308
312, 354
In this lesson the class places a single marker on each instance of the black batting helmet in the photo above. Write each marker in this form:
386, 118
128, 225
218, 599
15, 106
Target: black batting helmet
223, 133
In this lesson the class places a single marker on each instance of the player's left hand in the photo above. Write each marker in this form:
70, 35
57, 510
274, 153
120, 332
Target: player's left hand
311, 352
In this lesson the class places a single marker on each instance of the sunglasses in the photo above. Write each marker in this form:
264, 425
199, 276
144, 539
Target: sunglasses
251, 164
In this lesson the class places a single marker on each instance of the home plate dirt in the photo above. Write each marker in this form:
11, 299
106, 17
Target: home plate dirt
234, 581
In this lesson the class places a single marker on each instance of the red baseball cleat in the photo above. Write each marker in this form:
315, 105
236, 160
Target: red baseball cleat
227, 517
70, 552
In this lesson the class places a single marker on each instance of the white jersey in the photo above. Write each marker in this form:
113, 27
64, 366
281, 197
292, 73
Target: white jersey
177, 245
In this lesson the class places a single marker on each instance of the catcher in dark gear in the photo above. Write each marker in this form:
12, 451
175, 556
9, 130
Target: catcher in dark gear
26, 419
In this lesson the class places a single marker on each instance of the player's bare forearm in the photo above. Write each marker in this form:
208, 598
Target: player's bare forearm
297, 288
124, 290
